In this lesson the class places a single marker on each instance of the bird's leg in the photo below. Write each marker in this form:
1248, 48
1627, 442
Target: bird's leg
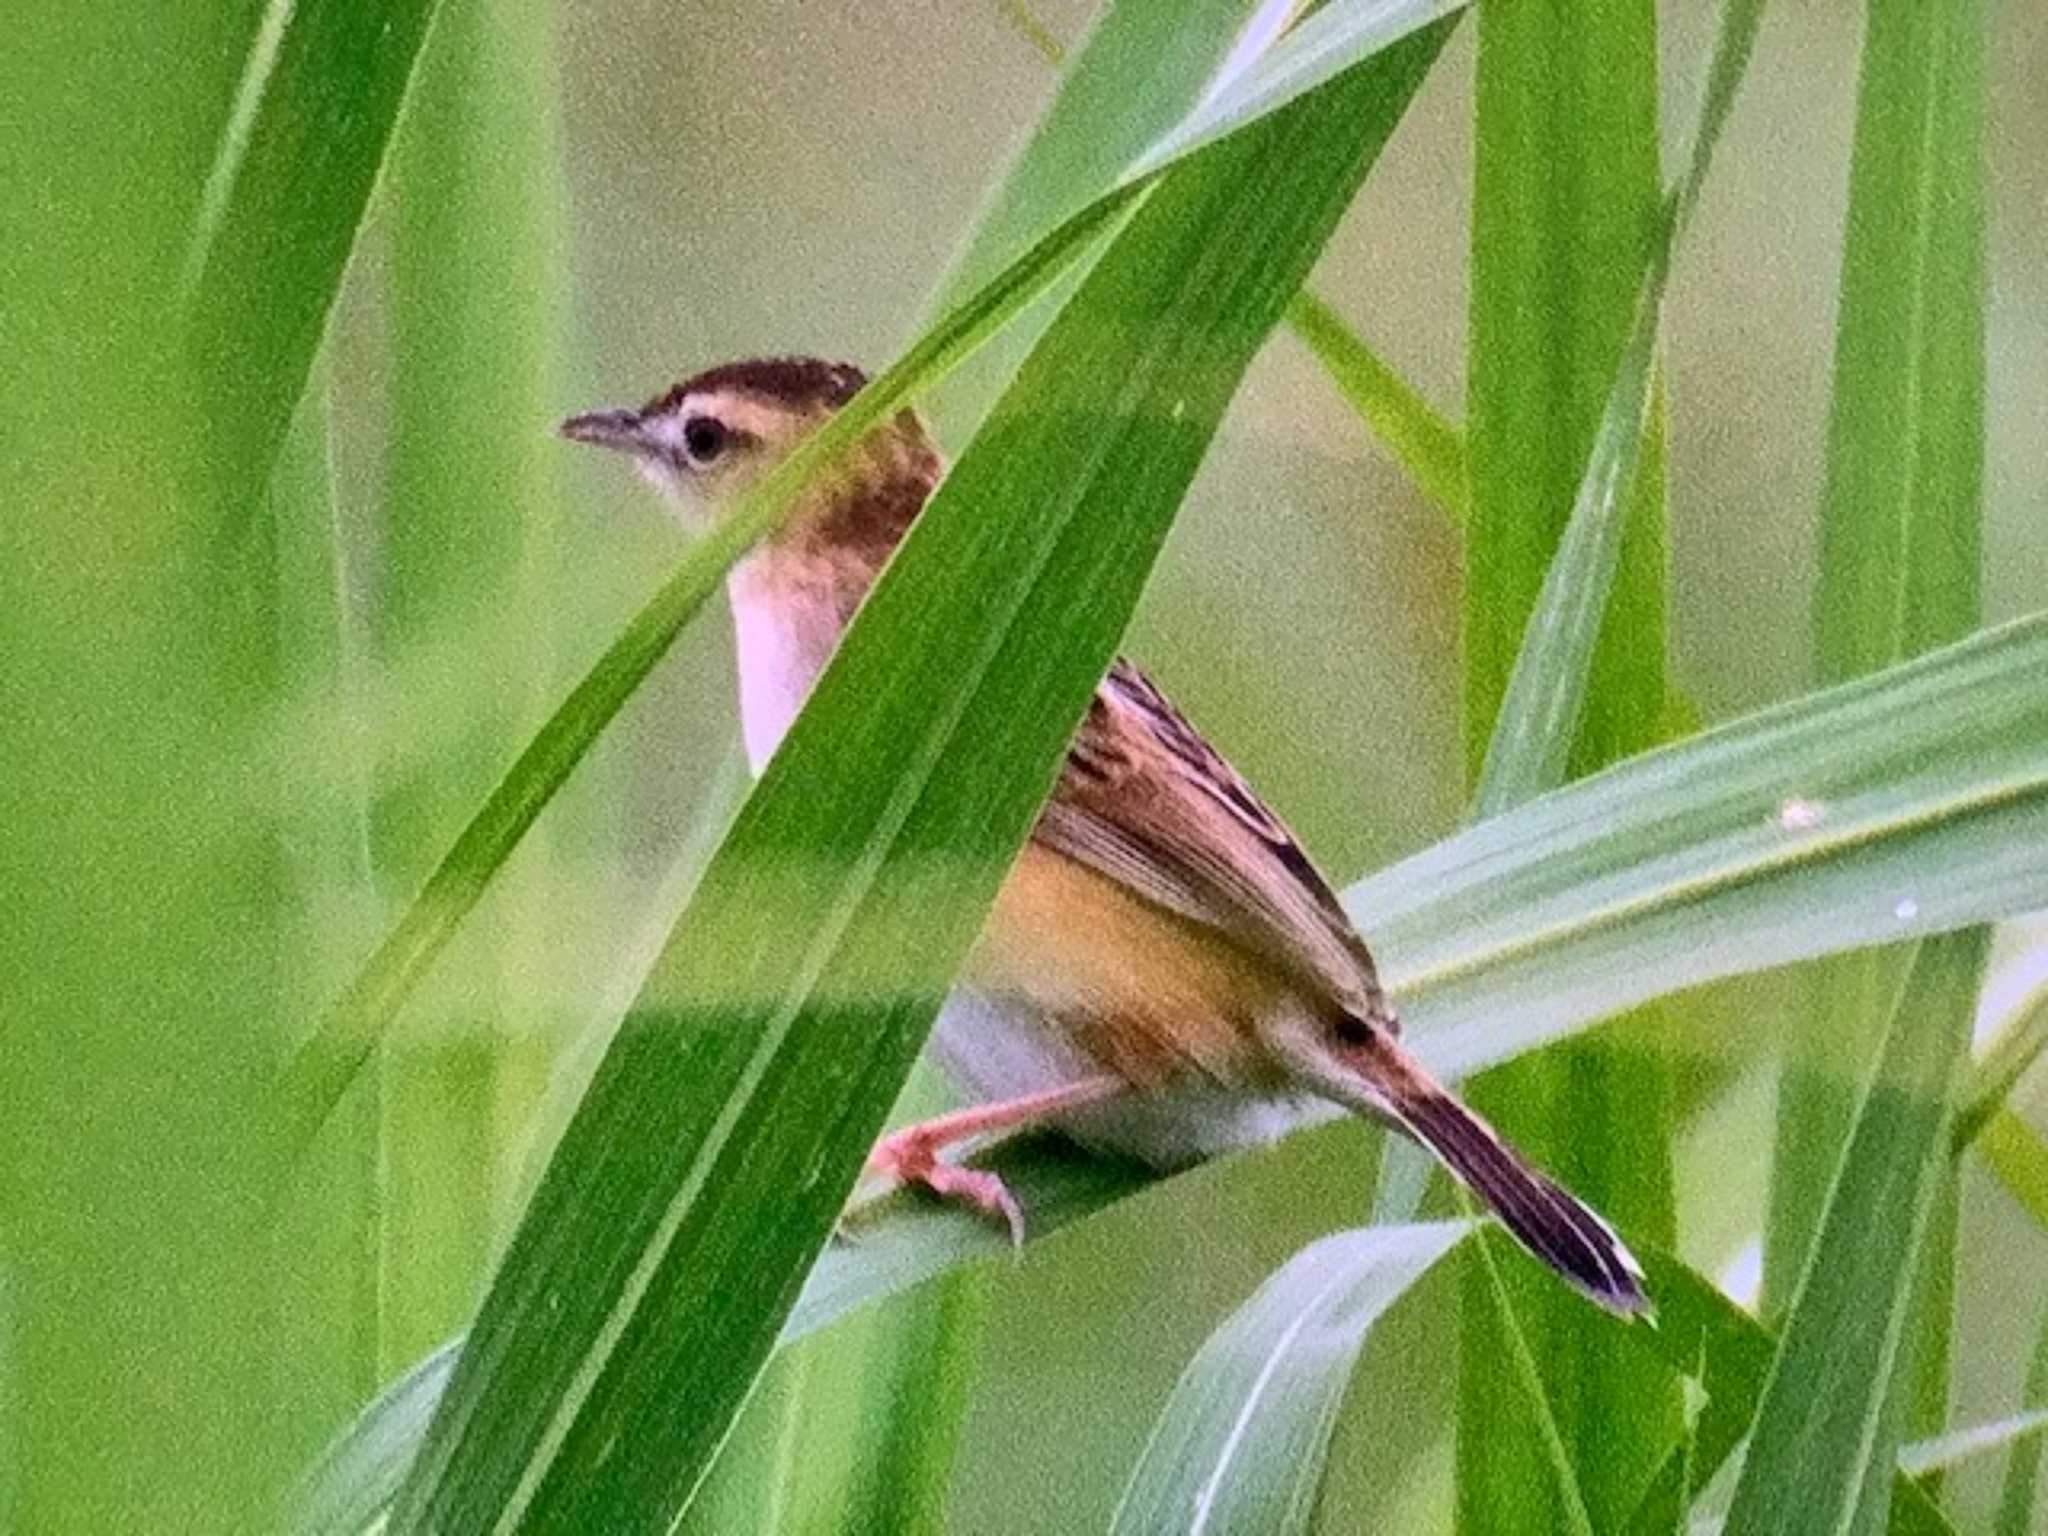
911, 1155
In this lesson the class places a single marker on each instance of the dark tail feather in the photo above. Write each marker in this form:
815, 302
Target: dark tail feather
1550, 1222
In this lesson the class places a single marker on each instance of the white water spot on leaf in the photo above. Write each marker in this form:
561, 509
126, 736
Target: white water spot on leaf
1742, 1277
1906, 910
1798, 814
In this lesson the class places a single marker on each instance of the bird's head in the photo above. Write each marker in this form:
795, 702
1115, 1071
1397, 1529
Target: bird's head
708, 439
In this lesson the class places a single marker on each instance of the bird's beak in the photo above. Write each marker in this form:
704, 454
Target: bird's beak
625, 430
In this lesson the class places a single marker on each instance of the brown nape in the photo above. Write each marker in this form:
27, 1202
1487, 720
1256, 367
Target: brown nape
793, 381
884, 488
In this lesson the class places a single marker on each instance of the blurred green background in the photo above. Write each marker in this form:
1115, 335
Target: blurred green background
585, 202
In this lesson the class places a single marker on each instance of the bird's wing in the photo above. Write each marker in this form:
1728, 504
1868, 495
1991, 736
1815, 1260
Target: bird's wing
1145, 800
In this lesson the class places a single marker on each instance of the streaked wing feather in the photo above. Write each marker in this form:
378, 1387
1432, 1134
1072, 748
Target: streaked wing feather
1144, 799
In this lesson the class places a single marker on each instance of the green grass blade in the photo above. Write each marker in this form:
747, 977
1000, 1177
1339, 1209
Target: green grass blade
1427, 447
2018, 1045
326, 1243
1702, 1334
321, 89
1900, 516
708, 1161
1139, 71
1141, 67
467, 521
1960, 1445
1144, 63
1568, 269
2017, 1497
2015, 1152
1313, 53
1808, 828
1826, 1430
855, 1430
1240, 1445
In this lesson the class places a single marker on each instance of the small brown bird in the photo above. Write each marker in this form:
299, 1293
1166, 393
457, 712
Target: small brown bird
1164, 972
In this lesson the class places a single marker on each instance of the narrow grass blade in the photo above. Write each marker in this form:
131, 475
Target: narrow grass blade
1313, 53
1900, 516
326, 1252
304, 142
1960, 1445
468, 517
2018, 1046
707, 1163
1240, 1446
1570, 257
1141, 68
1427, 447
1702, 1334
1825, 1436
2017, 1498
2017, 1154
325, 1064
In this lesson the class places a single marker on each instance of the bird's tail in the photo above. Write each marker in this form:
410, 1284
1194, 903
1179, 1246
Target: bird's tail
1549, 1221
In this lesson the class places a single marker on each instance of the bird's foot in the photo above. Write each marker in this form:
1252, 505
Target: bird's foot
911, 1157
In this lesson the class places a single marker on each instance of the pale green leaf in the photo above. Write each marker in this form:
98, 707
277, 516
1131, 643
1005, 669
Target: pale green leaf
1240, 1445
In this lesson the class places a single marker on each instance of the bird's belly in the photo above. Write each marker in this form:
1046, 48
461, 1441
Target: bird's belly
1075, 976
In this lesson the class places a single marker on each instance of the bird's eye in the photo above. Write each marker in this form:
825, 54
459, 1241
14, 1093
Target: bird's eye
1351, 1030
704, 439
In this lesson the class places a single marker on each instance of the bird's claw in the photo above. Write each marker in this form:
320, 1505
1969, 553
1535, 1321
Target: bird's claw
912, 1160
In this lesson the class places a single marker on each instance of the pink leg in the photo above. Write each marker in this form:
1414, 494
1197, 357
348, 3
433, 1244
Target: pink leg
911, 1155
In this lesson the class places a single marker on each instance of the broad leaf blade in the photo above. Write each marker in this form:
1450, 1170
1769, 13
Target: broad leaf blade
1839, 820
709, 1159
1240, 1445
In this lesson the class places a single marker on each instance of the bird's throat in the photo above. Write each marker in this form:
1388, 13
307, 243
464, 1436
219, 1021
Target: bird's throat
788, 610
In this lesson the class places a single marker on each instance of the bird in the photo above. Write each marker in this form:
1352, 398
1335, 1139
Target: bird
1164, 970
